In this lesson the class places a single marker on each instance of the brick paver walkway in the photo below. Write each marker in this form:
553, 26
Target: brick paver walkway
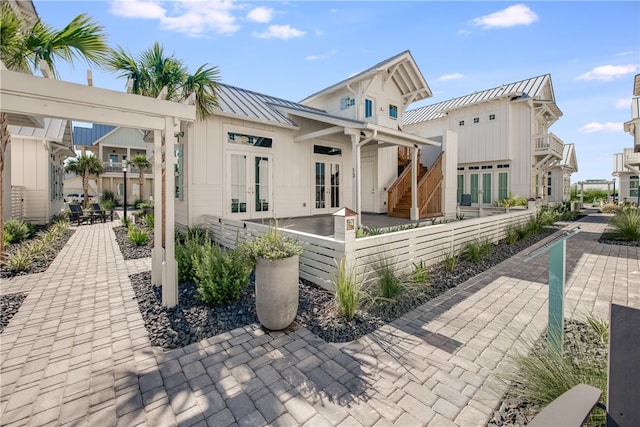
77, 352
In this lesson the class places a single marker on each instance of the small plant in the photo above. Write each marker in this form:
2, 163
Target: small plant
137, 236
626, 224
419, 272
108, 205
221, 275
348, 290
16, 230
478, 250
512, 236
137, 203
148, 221
273, 245
185, 252
522, 231
126, 222
19, 261
459, 216
196, 234
450, 260
389, 284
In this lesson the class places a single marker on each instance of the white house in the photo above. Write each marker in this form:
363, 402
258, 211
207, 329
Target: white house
626, 165
37, 168
262, 157
504, 143
112, 145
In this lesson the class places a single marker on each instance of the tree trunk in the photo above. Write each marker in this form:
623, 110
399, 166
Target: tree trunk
141, 179
85, 188
5, 140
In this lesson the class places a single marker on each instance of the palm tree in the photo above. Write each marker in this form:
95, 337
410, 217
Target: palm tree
24, 45
141, 162
152, 71
85, 166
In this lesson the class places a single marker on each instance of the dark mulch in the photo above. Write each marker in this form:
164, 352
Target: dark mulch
9, 305
191, 321
130, 251
610, 238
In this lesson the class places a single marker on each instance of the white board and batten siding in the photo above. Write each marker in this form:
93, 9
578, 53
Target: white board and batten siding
428, 245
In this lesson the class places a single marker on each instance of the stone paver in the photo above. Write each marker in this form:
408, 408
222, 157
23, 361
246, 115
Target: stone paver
77, 351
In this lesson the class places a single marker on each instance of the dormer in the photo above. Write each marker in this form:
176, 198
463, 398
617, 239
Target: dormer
378, 95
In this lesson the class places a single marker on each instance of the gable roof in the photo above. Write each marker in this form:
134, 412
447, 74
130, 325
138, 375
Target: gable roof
87, 136
569, 157
55, 131
235, 101
535, 87
403, 71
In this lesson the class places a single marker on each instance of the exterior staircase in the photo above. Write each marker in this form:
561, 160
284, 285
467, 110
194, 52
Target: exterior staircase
429, 188
403, 207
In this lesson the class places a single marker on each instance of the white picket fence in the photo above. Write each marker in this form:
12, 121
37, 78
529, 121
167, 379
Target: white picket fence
429, 244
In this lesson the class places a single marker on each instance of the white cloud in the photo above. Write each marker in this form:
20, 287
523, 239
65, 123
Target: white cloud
321, 56
280, 32
518, 14
260, 14
595, 127
463, 32
184, 16
623, 103
608, 72
446, 77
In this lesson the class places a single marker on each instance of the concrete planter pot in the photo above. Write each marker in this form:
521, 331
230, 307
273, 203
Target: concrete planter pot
277, 291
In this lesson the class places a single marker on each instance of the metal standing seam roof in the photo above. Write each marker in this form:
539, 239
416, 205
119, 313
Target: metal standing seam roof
253, 105
532, 87
87, 136
53, 130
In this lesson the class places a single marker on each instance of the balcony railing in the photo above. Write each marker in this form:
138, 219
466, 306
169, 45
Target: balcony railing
548, 144
631, 158
117, 168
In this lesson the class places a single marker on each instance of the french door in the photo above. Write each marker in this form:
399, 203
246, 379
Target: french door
249, 185
327, 183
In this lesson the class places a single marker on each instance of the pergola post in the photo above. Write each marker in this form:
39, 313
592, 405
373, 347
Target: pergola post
170, 267
157, 253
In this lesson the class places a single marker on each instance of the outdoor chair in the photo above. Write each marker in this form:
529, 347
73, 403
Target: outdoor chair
77, 214
98, 212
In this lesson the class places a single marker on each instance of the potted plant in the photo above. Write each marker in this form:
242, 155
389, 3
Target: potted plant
276, 277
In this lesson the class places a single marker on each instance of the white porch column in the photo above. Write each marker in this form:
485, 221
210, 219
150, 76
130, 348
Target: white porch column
157, 253
170, 267
357, 184
415, 212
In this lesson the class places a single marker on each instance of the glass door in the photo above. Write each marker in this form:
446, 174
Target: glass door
327, 182
249, 185
486, 188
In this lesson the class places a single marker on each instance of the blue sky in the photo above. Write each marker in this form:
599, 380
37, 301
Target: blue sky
292, 49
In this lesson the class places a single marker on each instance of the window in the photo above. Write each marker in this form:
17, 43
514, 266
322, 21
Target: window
113, 158
503, 185
460, 187
393, 111
476, 120
136, 191
474, 168
486, 188
549, 184
506, 166
256, 141
346, 102
179, 171
329, 151
492, 116
633, 185
368, 108
487, 166
120, 189
461, 123
461, 168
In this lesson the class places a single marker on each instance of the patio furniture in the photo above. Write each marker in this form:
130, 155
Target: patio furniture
77, 214
98, 212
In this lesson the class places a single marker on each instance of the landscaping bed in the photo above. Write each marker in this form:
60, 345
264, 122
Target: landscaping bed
9, 305
191, 321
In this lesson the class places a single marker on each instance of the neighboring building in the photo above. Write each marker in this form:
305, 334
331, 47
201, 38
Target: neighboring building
37, 168
263, 157
504, 143
112, 145
626, 165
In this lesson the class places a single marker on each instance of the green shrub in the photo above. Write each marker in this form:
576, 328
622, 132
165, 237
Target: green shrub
184, 257
221, 275
626, 224
389, 284
108, 195
511, 201
196, 234
16, 230
535, 225
137, 236
478, 250
348, 290
108, 205
522, 231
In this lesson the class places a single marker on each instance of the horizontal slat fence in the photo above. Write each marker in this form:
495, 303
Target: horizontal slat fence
401, 249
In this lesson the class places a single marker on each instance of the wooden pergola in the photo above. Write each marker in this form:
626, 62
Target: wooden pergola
27, 95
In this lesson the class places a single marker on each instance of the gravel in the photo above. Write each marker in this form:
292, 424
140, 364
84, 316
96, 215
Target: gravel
130, 251
191, 321
9, 305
